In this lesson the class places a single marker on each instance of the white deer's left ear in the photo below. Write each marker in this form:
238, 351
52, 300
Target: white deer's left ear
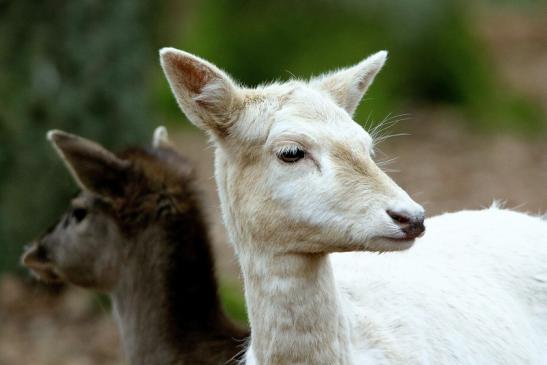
347, 86
207, 95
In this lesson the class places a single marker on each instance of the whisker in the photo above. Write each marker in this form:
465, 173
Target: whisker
388, 122
244, 347
389, 136
374, 132
386, 162
379, 151
291, 74
367, 124
518, 206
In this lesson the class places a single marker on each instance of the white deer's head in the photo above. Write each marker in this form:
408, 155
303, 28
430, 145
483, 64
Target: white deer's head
292, 166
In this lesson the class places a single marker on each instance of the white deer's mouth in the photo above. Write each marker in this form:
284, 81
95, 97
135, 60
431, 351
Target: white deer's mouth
406, 235
390, 243
400, 239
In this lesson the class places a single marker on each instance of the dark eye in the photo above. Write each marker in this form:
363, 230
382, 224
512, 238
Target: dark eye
79, 214
291, 155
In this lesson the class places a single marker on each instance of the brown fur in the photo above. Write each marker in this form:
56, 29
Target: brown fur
160, 273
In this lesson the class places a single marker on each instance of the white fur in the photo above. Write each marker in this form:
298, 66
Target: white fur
160, 137
472, 291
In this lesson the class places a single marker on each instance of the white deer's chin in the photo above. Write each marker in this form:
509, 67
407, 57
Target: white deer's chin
383, 244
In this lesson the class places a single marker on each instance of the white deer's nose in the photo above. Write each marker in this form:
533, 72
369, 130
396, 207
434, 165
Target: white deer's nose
409, 219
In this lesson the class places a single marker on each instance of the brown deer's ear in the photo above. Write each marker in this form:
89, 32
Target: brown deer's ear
169, 153
160, 138
94, 168
207, 95
347, 86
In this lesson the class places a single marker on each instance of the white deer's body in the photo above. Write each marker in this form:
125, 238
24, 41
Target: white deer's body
297, 183
469, 292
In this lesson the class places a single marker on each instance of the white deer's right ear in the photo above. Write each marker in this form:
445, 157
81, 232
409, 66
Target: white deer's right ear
207, 95
94, 168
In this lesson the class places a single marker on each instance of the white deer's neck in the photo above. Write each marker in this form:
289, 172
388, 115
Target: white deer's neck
292, 301
294, 310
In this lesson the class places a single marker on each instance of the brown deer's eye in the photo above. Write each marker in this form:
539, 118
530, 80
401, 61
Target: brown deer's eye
291, 155
79, 214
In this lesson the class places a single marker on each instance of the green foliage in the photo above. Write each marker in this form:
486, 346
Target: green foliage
434, 56
231, 295
81, 66
91, 67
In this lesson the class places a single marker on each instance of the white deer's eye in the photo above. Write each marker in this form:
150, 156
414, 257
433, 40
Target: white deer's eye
291, 155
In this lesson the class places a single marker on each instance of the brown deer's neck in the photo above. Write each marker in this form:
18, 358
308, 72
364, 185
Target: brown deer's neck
167, 305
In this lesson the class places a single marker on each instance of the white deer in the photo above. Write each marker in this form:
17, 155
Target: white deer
297, 181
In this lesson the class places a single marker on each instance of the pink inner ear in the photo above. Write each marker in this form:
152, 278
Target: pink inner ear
193, 75
364, 81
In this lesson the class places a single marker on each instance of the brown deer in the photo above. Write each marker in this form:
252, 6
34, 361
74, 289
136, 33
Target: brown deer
136, 231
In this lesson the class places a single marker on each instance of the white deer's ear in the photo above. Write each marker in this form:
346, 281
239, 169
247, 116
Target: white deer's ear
94, 168
207, 95
347, 86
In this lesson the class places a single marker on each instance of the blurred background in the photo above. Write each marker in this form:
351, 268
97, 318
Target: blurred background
466, 82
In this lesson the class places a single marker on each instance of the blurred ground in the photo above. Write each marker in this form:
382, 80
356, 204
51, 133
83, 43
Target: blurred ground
443, 164
43, 328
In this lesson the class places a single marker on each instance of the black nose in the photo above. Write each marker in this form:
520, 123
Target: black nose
412, 226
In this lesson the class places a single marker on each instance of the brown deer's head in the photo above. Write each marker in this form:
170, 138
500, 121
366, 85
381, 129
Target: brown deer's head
122, 196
